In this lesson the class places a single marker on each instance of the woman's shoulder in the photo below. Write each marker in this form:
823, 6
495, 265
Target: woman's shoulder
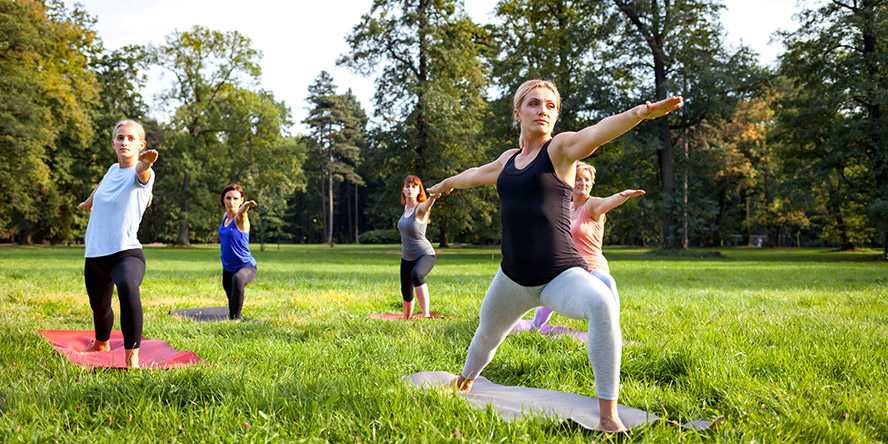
591, 209
507, 154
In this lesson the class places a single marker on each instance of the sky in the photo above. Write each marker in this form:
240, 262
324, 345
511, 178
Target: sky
300, 38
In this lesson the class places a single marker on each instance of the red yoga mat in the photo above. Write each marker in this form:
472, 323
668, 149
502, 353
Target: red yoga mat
400, 316
152, 353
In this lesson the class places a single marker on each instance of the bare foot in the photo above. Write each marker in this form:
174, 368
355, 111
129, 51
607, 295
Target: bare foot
132, 358
611, 425
462, 385
99, 346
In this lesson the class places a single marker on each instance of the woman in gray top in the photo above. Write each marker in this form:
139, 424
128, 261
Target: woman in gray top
417, 255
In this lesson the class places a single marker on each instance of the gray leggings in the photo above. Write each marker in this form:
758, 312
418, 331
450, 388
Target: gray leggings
543, 314
574, 293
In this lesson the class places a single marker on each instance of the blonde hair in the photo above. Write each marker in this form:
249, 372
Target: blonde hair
129, 122
583, 166
531, 85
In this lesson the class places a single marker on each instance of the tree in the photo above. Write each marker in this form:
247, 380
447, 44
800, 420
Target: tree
558, 40
337, 124
682, 43
837, 60
46, 95
430, 93
205, 64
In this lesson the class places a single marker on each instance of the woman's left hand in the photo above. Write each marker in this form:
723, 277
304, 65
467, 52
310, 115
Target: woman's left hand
148, 157
632, 193
661, 108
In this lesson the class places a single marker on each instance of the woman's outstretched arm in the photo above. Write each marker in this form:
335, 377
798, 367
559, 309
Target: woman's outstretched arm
572, 146
476, 176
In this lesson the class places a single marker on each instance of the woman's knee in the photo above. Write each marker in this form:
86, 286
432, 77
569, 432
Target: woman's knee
127, 289
600, 303
416, 278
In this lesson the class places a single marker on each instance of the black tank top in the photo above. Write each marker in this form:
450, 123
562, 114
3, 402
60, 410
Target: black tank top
535, 213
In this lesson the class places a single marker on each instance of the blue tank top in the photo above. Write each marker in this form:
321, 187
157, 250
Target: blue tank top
235, 247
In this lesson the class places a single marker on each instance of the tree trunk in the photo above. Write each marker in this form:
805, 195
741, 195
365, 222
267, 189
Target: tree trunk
330, 209
885, 243
747, 221
184, 229
349, 217
684, 218
843, 232
878, 156
664, 158
422, 131
261, 236
357, 239
443, 241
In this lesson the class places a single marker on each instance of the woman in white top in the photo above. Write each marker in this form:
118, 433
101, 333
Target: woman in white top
113, 252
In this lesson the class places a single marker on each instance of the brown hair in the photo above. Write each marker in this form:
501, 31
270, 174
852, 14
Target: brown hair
422, 192
583, 166
232, 187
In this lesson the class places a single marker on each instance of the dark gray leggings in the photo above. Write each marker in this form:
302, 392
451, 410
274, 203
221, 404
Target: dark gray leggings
413, 274
234, 283
125, 270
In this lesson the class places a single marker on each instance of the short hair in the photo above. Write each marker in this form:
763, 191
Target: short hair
583, 166
129, 122
232, 187
422, 192
529, 86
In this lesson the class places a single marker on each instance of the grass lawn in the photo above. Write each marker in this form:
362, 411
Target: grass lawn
787, 345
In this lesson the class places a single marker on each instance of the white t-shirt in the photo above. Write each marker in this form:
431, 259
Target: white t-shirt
118, 205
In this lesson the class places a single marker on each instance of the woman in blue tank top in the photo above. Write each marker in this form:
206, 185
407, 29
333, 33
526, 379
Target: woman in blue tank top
238, 265
541, 265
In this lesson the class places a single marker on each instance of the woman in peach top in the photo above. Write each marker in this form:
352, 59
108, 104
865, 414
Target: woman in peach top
588, 215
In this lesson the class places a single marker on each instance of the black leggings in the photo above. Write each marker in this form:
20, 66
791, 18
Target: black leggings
413, 274
234, 283
125, 270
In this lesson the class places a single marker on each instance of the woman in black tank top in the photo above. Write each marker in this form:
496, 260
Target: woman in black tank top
534, 183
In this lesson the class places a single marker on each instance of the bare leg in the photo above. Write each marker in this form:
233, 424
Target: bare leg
408, 309
422, 294
608, 417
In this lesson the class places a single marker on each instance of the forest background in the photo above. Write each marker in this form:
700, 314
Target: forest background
790, 154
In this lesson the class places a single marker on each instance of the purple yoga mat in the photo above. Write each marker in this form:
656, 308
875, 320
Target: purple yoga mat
547, 330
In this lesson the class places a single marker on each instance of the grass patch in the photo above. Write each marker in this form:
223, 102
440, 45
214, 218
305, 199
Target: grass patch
788, 345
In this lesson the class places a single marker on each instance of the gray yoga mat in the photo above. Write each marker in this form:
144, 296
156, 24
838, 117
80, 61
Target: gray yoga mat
205, 314
515, 402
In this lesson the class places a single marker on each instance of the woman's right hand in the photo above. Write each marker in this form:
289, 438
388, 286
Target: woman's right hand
441, 188
86, 205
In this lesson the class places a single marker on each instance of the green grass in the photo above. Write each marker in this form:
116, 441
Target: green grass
787, 345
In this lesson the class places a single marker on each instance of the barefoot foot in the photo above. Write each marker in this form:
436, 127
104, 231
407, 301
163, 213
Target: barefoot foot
611, 425
132, 358
462, 385
99, 346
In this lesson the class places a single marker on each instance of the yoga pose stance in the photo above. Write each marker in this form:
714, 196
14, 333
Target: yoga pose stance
540, 264
238, 265
113, 252
417, 255
587, 218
